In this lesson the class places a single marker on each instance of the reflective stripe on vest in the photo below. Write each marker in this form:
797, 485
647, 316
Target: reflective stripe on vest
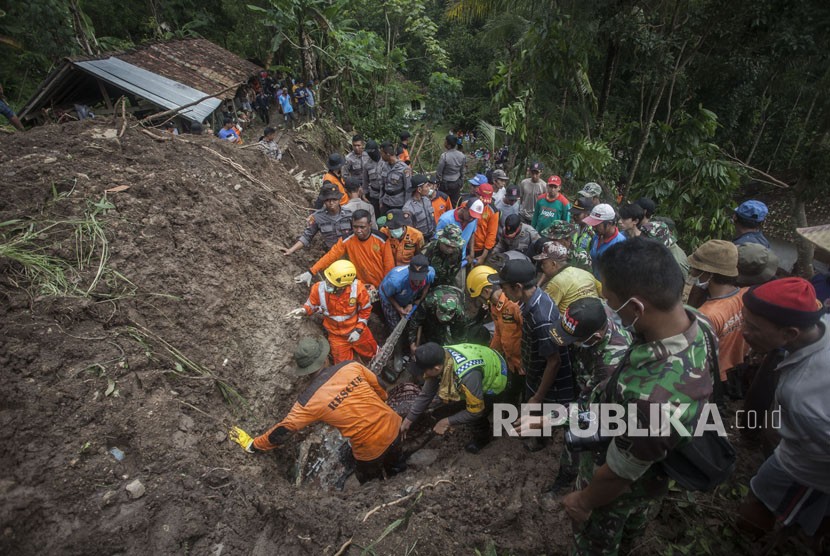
321, 290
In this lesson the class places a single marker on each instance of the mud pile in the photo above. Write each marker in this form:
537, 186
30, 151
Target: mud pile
114, 405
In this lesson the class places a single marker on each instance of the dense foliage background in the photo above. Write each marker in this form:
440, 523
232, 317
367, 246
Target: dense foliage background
690, 102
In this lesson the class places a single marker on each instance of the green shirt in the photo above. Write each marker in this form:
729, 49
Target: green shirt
547, 212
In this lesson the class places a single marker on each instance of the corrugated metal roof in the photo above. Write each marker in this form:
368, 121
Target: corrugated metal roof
152, 87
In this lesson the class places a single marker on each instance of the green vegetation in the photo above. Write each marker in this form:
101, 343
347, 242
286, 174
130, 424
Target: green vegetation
686, 102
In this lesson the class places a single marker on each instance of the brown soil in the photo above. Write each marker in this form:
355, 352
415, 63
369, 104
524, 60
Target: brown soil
82, 375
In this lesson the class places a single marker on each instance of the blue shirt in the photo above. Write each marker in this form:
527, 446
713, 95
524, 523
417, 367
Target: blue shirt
466, 233
599, 246
285, 102
752, 237
396, 284
227, 133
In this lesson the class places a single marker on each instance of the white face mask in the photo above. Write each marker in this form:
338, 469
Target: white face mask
629, 327
397, 234
702, 285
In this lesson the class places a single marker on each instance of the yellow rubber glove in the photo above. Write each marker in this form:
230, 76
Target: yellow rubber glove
242, 438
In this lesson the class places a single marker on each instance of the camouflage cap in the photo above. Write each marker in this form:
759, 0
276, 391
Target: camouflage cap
447, 301
659, 231
561, 229
451, 235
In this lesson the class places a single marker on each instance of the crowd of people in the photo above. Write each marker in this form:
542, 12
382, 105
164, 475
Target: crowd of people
518, 294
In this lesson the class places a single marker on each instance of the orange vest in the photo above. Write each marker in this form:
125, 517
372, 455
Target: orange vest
405, 248
487, 229
507, 340
341, 313
440, 204
341, 186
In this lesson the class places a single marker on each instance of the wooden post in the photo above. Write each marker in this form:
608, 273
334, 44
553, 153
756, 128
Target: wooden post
104, 93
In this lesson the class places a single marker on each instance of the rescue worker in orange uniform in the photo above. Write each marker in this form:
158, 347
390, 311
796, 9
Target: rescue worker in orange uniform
347, 397
487, 230
441, 202
406, 240
335, 175
507, 318
368, 249
343, 301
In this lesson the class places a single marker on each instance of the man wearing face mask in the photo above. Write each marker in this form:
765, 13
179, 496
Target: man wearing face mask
404, 240
343, 301
714, 268
671, 359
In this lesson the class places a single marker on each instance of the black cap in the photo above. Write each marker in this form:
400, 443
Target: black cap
517, 271
583, 318
511, 193
352, 183
647, 204
537, 167
418, 268
329, 191
334, 162
426, 356
583, 204
405, 135
372, 145
418, 180
512, 224
396, 218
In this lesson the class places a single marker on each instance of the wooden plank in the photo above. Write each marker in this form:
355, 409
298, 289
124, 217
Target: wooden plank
104, 93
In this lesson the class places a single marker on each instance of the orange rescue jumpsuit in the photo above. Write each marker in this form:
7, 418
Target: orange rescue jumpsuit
349, 398
372, 258
342, 314
407, 247
507, 340
440, 204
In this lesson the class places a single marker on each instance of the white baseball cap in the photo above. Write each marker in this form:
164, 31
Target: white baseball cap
600, 213
476, 208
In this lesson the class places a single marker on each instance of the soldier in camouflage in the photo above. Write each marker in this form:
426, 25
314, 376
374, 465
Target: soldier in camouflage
440, 320
444, 254
620, 489
584, 233
563, 232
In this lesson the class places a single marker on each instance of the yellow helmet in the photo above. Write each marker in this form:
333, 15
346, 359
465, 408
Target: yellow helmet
340, 273
477, 279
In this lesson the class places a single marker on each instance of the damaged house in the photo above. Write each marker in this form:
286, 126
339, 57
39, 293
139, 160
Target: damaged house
154, 77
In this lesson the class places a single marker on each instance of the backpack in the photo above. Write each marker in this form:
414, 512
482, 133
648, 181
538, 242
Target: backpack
703, 462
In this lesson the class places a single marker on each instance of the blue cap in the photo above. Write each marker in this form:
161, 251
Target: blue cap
754, 211
478, 179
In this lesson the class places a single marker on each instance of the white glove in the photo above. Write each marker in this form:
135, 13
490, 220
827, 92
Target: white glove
296, 313
374, 295
354, 336
304, 278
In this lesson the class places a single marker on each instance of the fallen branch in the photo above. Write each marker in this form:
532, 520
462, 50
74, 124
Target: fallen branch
123, 101
159, 138
771, 180
405, 498
174, 111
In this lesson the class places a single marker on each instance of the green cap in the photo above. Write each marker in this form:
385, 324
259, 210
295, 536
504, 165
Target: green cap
310, 355
448, 302
451, 235
561, 229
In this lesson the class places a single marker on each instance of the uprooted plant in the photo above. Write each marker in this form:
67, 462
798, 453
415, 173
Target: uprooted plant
35, 261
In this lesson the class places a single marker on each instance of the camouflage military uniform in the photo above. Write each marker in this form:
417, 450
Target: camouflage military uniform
661, 232
581, 248
441, 318
446, 266
595, 364
569, 232
676, 369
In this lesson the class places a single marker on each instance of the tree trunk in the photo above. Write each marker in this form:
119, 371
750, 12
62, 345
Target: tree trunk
610, 66
641, 147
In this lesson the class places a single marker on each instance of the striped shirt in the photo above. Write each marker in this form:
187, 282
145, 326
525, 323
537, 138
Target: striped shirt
539, 314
